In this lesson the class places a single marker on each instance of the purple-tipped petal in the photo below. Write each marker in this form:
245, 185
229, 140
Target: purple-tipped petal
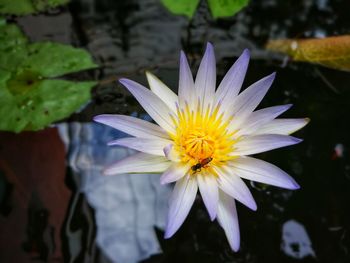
233, 80
283, 126
262, 172
175, 172
234, 186
181, 201
206, 77
248, 100
186, 83
162, 91
262, 143
228, 219
154, 106
151, 146
260, 117
133, 126
138, 163
208, 188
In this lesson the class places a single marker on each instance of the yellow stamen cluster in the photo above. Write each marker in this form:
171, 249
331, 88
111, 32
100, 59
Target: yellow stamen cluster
201, 135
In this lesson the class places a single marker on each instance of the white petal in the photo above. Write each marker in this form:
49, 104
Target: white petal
181, 201
139, 163
175, 172
261, 117
247, 101
133, 126
228, 219
208, 188
171, 154
154, 106
283, 126
232, 82
162, 91
262, 143
234, 186
186, 83
206, 77
151, 146
262, 172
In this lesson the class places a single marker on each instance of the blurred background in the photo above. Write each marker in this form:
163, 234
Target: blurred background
59, 65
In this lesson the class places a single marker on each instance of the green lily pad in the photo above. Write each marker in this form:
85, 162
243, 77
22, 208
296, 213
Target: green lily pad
226, 8
35, 105
219, 8
29, 100
181, 7
53, 59
2, 21
16, 7
10, 118
57, 99
25, 7
11, 35
42, 5
13, 45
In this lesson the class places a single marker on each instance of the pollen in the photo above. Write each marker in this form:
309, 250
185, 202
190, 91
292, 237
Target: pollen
202, 134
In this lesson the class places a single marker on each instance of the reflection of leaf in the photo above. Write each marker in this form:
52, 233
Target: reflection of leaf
225, 8
37, 199
332, 52
24, 7
181, 7
28, 100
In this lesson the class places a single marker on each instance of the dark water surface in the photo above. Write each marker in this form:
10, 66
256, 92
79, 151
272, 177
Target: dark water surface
128, 37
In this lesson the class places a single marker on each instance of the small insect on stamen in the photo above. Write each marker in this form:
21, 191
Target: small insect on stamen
198, 166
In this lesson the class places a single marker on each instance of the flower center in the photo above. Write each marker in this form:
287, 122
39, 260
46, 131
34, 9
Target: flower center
201, 139
198, 144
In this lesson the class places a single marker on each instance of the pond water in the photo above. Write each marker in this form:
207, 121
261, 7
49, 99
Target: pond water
62, 216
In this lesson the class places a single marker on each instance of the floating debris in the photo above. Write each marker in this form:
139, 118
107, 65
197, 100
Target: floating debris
295, 240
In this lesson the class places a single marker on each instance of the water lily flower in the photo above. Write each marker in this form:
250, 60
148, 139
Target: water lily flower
204, 139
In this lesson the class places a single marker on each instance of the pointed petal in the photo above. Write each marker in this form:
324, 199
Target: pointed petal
181, 201
262, 143
139, 163
234, 186
175, 172
228, 219
262, 172
171, 154
151, 146
208, 188
282, 126
247, 101
154, 106
186, 83
162, 91
261, 117
133, 126
233, 80
206, 77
